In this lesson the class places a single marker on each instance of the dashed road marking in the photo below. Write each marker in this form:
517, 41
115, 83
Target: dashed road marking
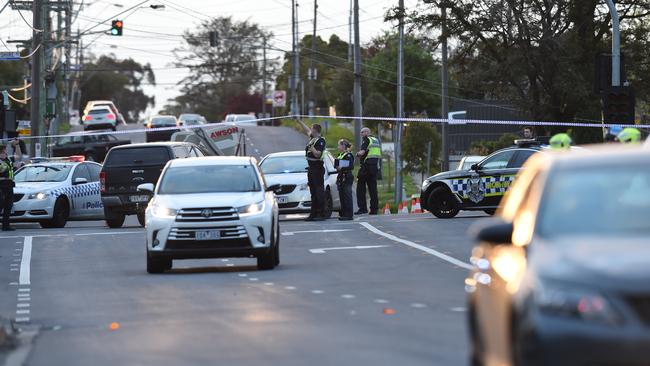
242, 275
289, 287
381, 301
317, 292
348, 296
22, 312
253, 279
458, 309
268, 283
418, 305
411, 244
23, 305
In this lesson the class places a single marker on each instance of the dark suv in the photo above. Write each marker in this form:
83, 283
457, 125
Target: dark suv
128, 166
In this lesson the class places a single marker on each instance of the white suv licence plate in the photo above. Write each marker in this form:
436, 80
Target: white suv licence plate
283, 199
139, 198
208, 235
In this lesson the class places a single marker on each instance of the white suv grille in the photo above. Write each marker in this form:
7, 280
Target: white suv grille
207, 214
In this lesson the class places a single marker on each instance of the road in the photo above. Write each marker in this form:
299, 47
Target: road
381, 290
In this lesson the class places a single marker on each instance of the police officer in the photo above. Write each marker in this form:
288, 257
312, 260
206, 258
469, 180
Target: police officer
629, 135
344, 165
7, 183
370, 156
560, 141
315, 153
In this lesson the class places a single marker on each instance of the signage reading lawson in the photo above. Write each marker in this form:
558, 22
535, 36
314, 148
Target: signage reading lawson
9, 56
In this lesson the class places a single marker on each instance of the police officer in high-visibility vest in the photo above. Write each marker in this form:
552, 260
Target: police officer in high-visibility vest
560, 141
629, 135
344, 164
7, 184
370, 156
315, 153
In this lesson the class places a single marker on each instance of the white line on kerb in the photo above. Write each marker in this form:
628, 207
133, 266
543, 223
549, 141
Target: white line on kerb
411, 244
25, 263
286, 233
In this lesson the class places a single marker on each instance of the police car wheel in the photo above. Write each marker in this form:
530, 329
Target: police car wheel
329, 206
114, 220
442, 204
59, 216
141, 218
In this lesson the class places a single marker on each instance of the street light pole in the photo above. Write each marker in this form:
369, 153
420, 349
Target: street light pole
38, 48
445, 89
400, 106
616, 44
357, 77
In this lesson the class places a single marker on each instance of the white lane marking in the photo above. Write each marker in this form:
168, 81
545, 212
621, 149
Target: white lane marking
225, 260
417, 305
22, 294
322, 250
253, 279
381, 301
257, 151
348, 296
315, 231
289, 288
81, 234
24, 290
230, 265
317, 292
411, 244
22, 320
458, 309
22, 312
269, 283
22, 305
25, 263
13, 269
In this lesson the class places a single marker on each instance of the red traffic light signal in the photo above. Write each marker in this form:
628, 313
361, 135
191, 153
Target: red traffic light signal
116, 27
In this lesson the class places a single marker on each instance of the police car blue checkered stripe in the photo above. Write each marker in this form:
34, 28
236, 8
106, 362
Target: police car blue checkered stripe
81, 190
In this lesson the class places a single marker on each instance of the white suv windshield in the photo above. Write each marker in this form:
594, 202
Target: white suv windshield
209, 179
285, 164
43, 173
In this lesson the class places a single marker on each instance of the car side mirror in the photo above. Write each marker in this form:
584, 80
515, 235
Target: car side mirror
475, 167
493, 231
146, 187
80, 181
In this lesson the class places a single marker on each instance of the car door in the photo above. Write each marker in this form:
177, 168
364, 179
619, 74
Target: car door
95, 205
490, 181
80, 192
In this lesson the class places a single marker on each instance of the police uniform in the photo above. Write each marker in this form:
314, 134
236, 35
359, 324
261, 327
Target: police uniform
315, 177
344, 184
368, 174
6, 190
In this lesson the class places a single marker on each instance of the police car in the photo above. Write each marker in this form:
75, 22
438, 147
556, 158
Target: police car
479, 188
54, 191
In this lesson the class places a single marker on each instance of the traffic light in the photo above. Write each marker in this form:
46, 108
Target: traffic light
618, 105
116, 27
214, 38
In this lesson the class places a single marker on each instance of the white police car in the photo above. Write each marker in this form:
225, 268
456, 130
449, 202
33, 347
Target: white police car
54, 191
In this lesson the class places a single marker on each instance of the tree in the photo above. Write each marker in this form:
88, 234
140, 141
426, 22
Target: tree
216, 74
421, 86
109, 78
538, 54
414, 146
376, 105
244, 103
11, 75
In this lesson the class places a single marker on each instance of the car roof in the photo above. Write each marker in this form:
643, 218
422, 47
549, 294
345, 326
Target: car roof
212, 160
95, 108
162, 116
286, 153
596, 155
153, 144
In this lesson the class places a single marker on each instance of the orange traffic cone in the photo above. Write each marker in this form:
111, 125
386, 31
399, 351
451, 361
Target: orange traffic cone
387, 209
404, 208
417, 208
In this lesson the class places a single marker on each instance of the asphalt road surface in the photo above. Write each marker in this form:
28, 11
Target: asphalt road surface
381, 290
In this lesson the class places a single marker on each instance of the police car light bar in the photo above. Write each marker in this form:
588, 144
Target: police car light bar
68, 159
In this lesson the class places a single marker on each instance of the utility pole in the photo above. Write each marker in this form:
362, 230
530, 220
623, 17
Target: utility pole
295, 109
616, 44
312, 70
350, 47
400, 106
357, 77
38, 48
264, 77
444, 108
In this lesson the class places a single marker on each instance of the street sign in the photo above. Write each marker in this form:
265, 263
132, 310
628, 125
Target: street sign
9, 56
279, 98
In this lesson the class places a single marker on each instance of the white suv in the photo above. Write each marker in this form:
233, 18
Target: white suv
211, 207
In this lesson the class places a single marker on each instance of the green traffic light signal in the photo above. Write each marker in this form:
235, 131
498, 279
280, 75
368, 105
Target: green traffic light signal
116, 27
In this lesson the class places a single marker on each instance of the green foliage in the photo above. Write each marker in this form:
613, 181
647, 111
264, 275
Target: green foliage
376, 105
109, 78
488, 147
11, 75
414, 146
217, 74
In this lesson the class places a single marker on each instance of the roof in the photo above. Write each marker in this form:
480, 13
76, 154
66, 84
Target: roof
152, 144
212, 160
598, 155
287, 153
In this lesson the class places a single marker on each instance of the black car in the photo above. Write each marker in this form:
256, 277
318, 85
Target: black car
128, 166
153, 133
479, 188
92, 147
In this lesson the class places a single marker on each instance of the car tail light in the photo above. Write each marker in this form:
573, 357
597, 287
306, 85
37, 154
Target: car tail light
110, 116
87, 118
76, 158
102, 182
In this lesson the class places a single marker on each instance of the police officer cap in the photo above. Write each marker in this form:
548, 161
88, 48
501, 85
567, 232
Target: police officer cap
560, 141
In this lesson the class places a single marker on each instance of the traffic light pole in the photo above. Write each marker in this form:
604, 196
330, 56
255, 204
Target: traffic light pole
616, 44
38, 81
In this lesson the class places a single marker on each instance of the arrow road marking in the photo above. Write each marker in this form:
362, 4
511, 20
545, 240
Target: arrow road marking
288, 233
322, 250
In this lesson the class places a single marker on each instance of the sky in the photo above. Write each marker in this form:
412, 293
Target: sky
143, 42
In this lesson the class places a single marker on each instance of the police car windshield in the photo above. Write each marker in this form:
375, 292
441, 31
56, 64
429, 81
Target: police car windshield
214, 179
597, 201
43, 173
284, 165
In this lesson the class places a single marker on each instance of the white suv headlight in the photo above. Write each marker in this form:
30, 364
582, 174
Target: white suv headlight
161, 211
303, 187
38, 196
251, 209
